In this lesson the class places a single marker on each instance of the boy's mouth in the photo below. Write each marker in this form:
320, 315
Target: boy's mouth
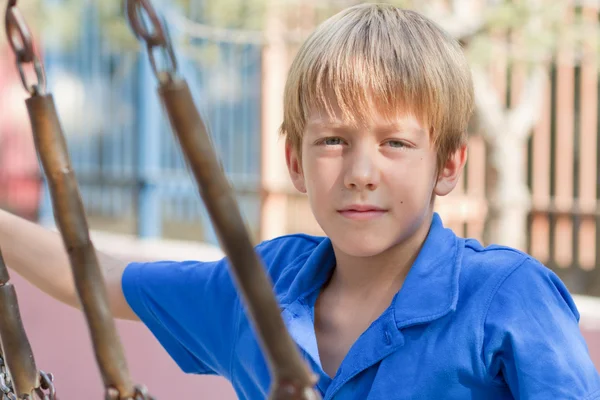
362, 212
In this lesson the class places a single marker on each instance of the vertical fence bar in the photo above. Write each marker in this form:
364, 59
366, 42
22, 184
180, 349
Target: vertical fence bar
563, 156
149, 215
476, 187
275, 61
540, 183
588, 145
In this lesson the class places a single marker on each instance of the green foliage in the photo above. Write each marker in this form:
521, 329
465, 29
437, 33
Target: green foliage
531, 33
237, 14
527, 31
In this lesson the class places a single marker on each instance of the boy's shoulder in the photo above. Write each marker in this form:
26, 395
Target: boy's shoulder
499, 272
498, 260
297, 263
493, 259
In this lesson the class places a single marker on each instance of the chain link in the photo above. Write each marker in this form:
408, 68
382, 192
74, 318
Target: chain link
6, 386
141, 393
156, 37
21, 43
20, 40
46, 391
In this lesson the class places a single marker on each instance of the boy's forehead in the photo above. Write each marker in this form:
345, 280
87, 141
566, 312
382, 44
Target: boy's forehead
320, 118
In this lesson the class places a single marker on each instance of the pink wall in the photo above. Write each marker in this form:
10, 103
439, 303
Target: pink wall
593, 340
62, 346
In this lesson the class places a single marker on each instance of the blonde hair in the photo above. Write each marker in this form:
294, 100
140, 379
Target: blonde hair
377, 55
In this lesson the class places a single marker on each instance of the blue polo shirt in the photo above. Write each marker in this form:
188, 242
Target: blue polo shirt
469, 323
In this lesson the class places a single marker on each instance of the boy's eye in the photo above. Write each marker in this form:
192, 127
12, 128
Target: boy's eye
332, 141
396, 144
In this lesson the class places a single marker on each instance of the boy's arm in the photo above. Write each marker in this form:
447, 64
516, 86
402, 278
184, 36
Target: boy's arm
532, 340
39, 256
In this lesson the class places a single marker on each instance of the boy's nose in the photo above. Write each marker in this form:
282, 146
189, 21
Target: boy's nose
362, 172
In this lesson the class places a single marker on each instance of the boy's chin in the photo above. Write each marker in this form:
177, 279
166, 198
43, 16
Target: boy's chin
360, 246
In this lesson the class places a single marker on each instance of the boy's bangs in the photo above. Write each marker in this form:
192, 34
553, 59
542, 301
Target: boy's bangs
363, 67
379, 60
357, 93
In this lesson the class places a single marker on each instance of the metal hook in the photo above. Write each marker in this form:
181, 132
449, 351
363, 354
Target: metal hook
19, 35
134, 14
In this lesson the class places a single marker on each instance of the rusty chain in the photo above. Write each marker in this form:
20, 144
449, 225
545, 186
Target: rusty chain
292, 379
156, 37
141, 393
6, 387
46, 391
288, 364
19, 376
45, 122
21, 42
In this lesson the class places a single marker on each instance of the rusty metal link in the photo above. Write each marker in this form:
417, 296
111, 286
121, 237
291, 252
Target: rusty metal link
19, 376
16, 348
293, 392
156, 37
292, 378
46, 391
141, 393
21, 43
70, 216
51, 147
6, 386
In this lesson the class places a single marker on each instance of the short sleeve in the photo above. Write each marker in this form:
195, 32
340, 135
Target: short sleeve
532, 340
191, 308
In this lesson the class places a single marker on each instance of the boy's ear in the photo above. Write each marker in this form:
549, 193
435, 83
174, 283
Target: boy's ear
450, 172
294, 167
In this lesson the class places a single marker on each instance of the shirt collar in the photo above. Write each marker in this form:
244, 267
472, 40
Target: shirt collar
430, 289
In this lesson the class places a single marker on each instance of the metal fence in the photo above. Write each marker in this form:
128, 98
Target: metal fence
132, 175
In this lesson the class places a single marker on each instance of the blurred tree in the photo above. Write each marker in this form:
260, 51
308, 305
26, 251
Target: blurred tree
63, 18
529, 34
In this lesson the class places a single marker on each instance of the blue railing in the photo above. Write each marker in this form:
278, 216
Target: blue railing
125, 156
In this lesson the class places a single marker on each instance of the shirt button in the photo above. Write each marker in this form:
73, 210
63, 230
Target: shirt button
388, 338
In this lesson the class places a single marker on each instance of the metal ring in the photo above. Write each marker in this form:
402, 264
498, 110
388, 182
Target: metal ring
38, 88
141, 393
134, 7
46, 383
112, 394
19, 35
169, 55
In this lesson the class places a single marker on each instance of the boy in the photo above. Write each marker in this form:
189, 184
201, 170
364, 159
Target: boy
390, 305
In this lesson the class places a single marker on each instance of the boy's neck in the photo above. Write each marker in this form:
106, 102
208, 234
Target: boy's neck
384, 272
